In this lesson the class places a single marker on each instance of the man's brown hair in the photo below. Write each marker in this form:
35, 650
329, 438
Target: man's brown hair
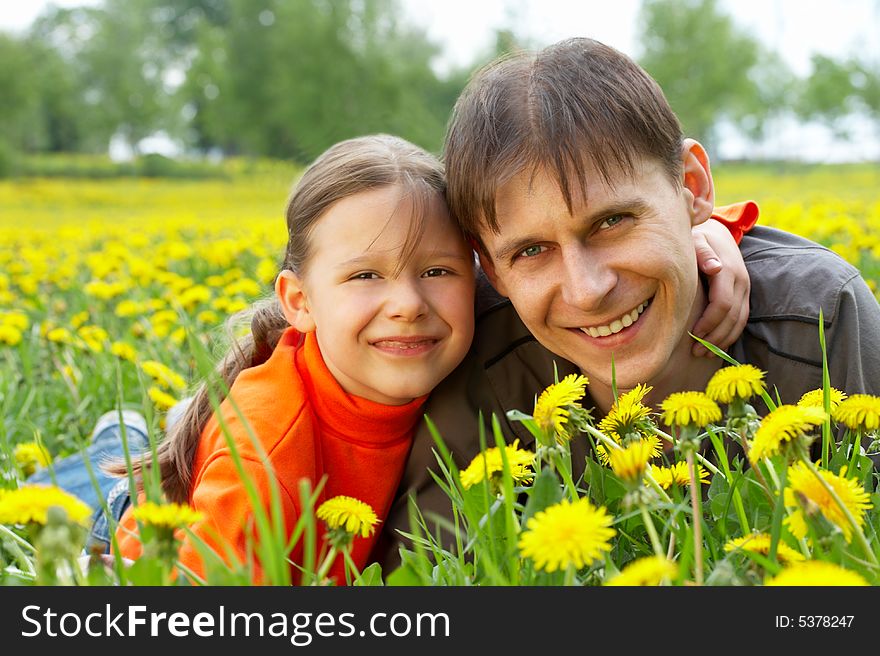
574, 104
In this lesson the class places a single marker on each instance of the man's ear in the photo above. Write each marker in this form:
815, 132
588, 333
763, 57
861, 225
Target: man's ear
698, 181
488, 267
294, 303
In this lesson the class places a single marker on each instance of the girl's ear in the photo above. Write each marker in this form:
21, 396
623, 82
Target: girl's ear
698, 181
294, 303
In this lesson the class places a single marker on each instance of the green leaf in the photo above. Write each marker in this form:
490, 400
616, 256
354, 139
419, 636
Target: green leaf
405, 575
371, 576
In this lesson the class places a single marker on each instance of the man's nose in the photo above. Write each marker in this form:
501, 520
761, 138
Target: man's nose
586, 279
406, 301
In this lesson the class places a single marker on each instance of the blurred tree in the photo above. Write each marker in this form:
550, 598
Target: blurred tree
838, 89
828, 94
261, 77
119, 62
19, 97
301, 76
710, 69
39, 97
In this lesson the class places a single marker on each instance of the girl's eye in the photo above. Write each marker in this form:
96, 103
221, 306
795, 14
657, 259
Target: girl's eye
366, 275
531, 251
435, 272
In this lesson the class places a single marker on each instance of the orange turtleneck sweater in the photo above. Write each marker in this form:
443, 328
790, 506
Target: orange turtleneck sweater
309, 427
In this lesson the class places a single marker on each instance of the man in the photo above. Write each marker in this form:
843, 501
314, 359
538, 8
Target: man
569, 171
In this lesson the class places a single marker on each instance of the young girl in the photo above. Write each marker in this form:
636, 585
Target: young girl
374, 306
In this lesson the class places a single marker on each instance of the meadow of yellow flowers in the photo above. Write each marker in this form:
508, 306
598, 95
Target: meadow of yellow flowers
98, 280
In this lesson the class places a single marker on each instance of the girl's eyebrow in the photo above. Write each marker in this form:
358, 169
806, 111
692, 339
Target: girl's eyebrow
371, 258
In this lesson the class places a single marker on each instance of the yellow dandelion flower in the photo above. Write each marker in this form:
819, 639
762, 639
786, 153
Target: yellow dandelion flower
568, 533
193, 296
236, 305
208, 317
60, 336
129, 308
816, 572
79, 319
30, 456
123, 351
859, 412
163, 375
30, 504
647, 571
690, 409
488, 465
166, 515
627, 414
551, 411
243, 287
349, 514
652, 441
803, 486
630, 462
10, 335
781, 426
94, 337
760, 543
735, 382
267, 270
816, 398
162, 400
15, 319
678, 475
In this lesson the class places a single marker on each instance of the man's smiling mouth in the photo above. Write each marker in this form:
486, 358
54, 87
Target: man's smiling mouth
618, 324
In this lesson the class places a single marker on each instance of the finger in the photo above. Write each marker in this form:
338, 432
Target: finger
707, 258
722, 298
729, 330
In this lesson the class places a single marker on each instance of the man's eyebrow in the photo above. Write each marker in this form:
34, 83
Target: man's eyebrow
508, 248
635, 205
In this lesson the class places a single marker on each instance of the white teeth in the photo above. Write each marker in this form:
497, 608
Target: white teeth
617, 325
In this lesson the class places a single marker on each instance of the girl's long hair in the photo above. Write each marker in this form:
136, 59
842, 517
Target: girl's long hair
345, 169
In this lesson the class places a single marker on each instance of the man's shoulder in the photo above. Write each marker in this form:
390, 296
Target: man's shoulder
793, 277
792, 280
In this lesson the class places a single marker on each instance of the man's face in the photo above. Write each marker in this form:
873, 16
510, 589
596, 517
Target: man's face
617, 278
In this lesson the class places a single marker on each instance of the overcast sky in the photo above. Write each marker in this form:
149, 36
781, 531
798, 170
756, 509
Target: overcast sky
794, 28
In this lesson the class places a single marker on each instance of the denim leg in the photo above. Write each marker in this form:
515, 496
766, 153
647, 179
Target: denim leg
118, 501
72, 475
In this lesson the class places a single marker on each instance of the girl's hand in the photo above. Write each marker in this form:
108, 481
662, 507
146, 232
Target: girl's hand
719, 258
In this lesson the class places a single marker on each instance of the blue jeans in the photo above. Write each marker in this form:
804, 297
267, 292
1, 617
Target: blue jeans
72, 475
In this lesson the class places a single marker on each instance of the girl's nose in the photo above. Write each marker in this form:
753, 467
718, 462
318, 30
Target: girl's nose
406, 301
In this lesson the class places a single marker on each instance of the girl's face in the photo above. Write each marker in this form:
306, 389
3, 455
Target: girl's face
387, 334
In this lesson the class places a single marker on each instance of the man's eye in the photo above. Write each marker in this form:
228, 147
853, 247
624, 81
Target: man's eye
435, 272
611, 221
531, 251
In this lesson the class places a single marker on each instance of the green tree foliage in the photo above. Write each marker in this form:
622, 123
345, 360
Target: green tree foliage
709, 68
839, 88
261, 77
297, 77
